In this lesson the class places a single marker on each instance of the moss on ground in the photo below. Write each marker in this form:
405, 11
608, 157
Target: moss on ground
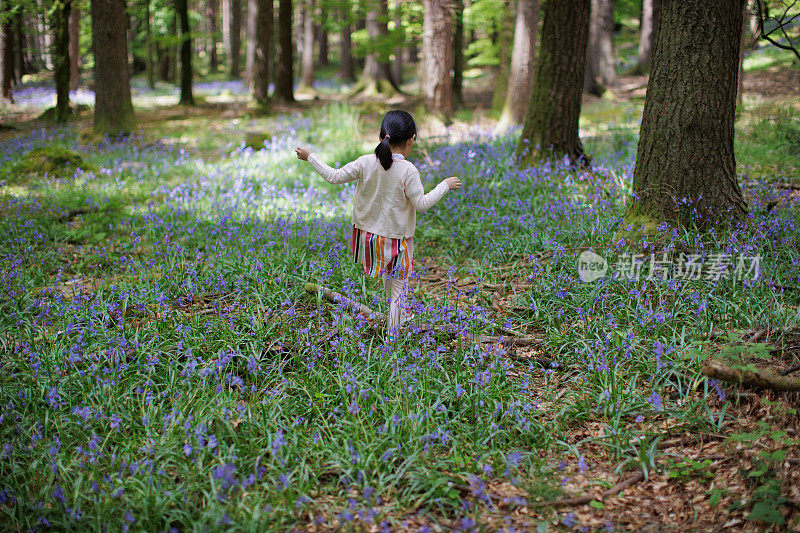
54, 161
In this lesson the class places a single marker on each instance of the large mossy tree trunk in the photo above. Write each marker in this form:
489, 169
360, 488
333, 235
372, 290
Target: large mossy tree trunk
6, 54
504, 37
458, 53
647, 34
437, 58
397, 63
284, 69
187, 98
60, 23
551, 126
685, 170
520, 83
260, 48
307, 59
74, 47
113, 110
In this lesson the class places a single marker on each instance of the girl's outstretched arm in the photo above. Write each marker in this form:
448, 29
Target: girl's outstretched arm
416, 194
350, 172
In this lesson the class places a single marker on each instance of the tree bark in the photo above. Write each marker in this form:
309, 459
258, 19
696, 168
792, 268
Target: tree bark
6, 55
523, 57
260, 35
307, 60
685, 168
213, 58
187, 98
458, 53
751, 20
74, 48
113, 110
647, 33
437, 54
22, 61
60, 22
551, 126
504, 36
742, 48
377, 76
284, 70
232, 35
347, 67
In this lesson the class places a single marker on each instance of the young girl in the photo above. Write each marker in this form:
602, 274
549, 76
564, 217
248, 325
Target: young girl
388, 196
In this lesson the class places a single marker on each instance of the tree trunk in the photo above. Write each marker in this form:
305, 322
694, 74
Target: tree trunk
74, 48
232, 35
151, 75
213, 58
260, 19
61, 11
347, 71
437, 56
458, 53
284, 70
377, 76
397, 63
6, 54
551, 127
685, 169
742, 48
322, 39
504, 36
520, 83
22, 62
113, 110
187, 98
307, 60
600, 69
647, 33
751, 20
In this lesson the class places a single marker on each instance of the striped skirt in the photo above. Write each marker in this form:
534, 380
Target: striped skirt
379, 254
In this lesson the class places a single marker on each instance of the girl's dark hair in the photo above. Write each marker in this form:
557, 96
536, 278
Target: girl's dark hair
396, 128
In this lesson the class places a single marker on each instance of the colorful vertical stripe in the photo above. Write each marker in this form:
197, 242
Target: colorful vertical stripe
379, 254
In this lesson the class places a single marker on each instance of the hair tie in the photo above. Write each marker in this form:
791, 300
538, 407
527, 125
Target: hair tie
387, 137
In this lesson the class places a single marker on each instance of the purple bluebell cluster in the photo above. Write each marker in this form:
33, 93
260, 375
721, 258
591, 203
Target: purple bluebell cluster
163, 365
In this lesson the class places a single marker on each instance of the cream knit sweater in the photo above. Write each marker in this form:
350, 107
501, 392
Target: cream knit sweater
386, 201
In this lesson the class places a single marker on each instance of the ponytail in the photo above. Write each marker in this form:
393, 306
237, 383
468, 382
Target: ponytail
397, 127
384, 153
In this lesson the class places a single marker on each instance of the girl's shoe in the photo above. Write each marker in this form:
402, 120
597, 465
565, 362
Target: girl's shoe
406, 316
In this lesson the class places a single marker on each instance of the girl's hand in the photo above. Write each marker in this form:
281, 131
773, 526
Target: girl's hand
453, 182
302, 153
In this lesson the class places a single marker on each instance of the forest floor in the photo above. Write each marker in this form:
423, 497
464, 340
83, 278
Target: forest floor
162, 363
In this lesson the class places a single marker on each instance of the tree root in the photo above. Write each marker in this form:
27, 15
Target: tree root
583, 500
761, 379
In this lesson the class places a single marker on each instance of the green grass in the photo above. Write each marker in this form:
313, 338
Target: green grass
174, 310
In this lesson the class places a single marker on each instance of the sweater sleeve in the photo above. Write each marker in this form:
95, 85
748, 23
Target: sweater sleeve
416, 194
350, 172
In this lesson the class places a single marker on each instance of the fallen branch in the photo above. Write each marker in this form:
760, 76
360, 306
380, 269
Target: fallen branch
790, 370
583, 500
335, 297
762, 379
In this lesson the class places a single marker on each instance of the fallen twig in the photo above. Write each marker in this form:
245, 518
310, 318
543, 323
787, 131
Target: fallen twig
335, 297
790, 370
764, 379
583, 500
